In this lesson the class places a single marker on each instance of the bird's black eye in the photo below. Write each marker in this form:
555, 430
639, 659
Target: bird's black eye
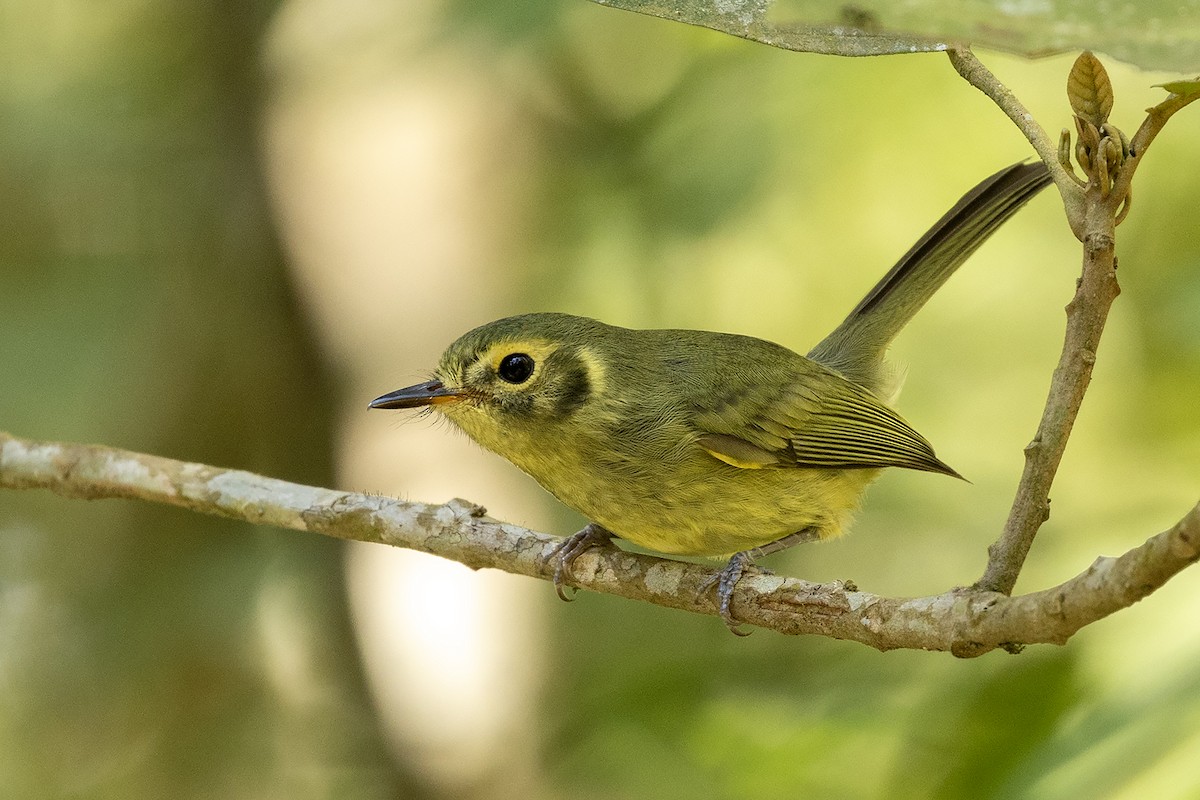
515, 367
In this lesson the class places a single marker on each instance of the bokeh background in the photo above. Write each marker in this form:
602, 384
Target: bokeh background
225, 227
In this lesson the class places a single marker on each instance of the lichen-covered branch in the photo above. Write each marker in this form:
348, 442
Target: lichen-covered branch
965, 622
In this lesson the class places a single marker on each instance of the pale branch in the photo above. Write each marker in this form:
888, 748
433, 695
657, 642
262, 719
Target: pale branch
965, 622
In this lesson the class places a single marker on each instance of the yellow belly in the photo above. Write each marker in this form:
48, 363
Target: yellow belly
718, 511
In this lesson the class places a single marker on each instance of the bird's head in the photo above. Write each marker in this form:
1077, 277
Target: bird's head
515, 375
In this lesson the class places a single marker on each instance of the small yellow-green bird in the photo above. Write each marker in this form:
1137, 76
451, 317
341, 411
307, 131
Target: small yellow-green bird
708, 444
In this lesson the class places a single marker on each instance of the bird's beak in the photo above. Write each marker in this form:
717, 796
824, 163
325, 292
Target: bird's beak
423, 394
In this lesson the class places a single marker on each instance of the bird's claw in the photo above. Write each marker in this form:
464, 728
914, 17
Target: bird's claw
565, 552
726, 581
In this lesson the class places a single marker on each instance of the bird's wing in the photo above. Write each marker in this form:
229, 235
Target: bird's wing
819, 421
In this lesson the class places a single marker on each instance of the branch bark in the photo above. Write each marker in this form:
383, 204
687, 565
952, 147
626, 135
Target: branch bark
965, 622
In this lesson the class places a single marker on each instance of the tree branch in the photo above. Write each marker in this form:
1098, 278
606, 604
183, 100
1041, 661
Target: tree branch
965, 622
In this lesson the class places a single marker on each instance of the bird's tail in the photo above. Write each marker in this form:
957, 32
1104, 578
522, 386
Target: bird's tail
857, 346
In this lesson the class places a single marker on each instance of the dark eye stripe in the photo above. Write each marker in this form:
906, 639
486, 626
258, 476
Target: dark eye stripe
515, 367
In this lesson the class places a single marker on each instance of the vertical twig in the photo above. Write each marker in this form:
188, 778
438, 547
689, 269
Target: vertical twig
1092, 213
1086, 315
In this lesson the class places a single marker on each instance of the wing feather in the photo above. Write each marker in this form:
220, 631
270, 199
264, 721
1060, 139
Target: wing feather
819, 420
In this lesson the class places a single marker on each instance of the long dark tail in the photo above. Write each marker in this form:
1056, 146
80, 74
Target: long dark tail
857, 346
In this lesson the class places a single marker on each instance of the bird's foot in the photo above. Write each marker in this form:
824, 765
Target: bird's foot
564, 554
726, 581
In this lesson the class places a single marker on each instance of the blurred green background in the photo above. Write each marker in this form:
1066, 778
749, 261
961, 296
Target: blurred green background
225, 227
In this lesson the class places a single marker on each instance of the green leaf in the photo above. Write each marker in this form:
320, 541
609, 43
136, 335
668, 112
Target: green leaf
1182, 87
1155, 34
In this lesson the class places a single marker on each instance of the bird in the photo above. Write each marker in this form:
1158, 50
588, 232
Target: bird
700, 443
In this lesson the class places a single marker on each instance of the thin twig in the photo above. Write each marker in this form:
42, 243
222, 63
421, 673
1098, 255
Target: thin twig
1156, 118
975, 73
962, 621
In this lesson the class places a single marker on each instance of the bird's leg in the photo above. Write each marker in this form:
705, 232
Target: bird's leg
571, 548
726, 580
792, 539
